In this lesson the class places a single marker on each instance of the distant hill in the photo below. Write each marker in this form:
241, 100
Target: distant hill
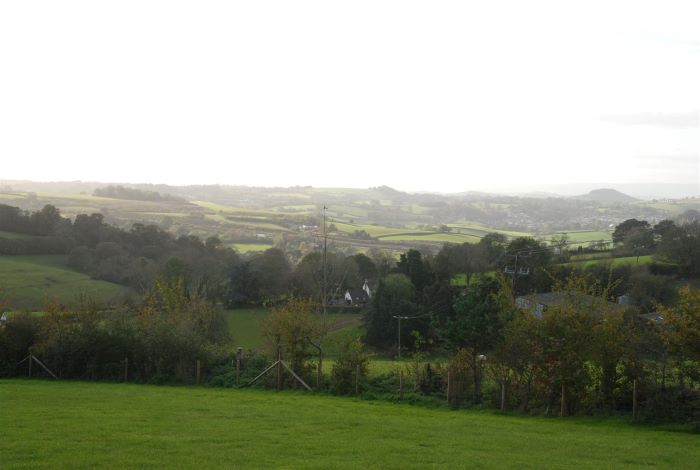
607, 196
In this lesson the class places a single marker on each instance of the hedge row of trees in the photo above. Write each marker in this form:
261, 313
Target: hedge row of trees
122, 192
136, 257
584, 355
158, 340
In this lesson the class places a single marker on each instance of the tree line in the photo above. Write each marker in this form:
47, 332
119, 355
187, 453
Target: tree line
583, 354
122, 192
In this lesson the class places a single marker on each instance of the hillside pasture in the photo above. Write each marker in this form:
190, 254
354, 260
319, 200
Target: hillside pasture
31, 281
433, 237
98, 425
14, 235
372, 230
12, 196
250, 247
479, 230
615, 262
224, 209
581, 237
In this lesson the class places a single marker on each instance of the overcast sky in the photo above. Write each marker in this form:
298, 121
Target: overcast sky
431, 95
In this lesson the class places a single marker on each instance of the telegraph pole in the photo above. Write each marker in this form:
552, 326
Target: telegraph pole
324, 288
399, 318
402, 317
514, 272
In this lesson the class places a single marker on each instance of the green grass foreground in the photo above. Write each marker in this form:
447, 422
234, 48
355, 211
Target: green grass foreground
88, 425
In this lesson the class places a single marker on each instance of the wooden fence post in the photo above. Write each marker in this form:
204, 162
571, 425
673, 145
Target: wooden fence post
503, 396
562, 411
401, 383
357, 380
634, 399
126, 369
279, 369
199, 370
448, 387
239, 351
31, 359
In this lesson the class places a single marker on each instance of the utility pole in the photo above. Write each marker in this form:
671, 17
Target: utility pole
399, 318
514, 272
324, 297
324, 288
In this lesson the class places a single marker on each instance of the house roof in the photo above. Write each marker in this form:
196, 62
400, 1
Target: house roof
550, 299
358, 295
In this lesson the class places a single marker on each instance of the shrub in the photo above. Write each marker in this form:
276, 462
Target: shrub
349, 372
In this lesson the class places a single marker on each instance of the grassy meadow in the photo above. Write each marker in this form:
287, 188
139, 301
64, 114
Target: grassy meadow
582, 237
250, 247
98, 425
32, 280
615, 262
14, 236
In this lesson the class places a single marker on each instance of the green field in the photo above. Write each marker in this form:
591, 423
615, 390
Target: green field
14, 235
373, 230
91, 425
462, 233
12, 196
31, 281
248, 247
622, 261
581, 237
480, 230
432, 237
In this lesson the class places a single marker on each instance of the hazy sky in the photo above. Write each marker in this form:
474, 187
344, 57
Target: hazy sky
431, 95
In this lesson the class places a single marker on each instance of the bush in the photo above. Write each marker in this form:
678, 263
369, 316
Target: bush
17, 335
663, 269
349, 372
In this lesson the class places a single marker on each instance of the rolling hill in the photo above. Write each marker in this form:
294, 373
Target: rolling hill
607, 196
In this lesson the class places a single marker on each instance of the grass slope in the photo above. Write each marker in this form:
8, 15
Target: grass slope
89, 425
14, 235
621, 261
582, 237
30, 281
432, 237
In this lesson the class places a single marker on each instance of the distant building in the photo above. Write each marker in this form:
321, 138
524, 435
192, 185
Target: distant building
539, 303
358, 297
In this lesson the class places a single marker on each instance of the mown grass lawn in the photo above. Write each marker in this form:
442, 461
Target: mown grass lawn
92, 425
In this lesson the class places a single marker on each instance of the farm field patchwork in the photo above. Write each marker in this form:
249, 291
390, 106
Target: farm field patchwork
98, 425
